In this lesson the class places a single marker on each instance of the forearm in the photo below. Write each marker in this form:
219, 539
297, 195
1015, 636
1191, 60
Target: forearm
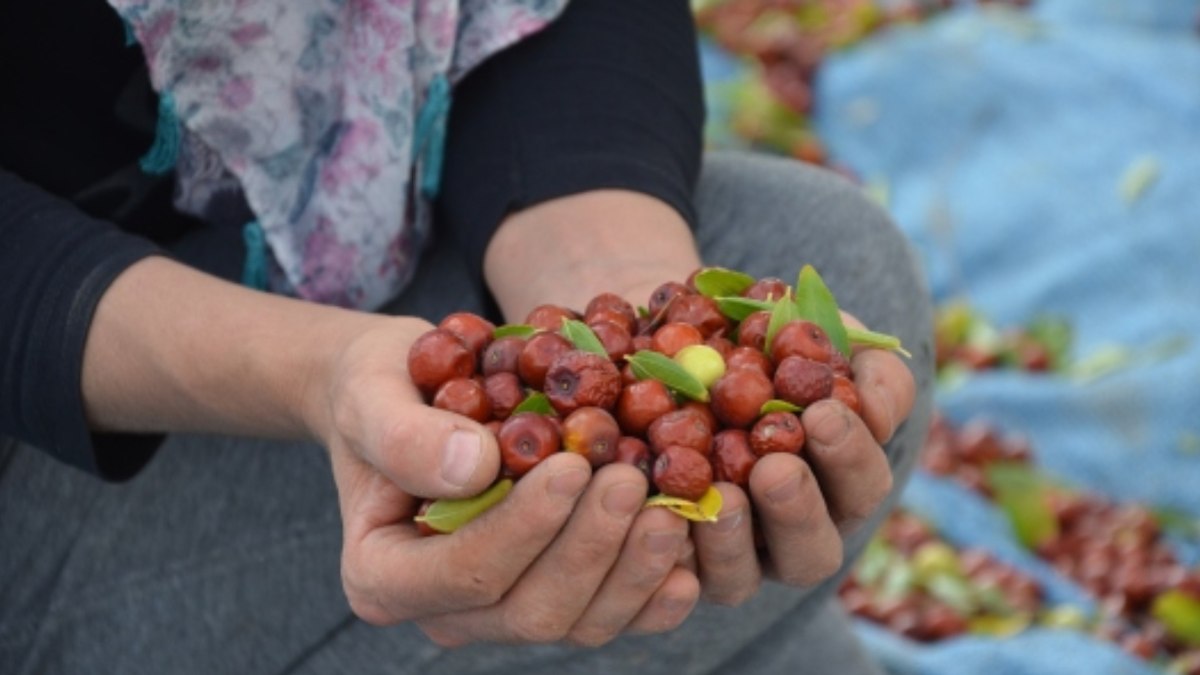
567, 250
173, 349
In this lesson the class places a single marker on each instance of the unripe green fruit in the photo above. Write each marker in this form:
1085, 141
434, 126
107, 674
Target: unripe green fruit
702, 362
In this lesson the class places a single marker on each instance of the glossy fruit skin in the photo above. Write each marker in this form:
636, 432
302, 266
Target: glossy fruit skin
738, 397
664, 295
549, 317
749, 357
732, 459
610, 306
683, 427
802, 381
504, 392
675, 336
578, 378
845, 391
722, 344
704, 412
436, 358
642, 402
682, 472
539, 353
767, 288
635, 452
752, 332
593, 433
642, 342
777, 432
699, 311
801, 338
525, 440
465, 396
502, 355
474, 331
701, 362
616, 339
493, 426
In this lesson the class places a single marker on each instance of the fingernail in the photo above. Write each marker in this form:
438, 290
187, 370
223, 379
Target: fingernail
659, 543
883, 396
623, 499
728, 521
568, 483
831, 426
785, 491
461, 457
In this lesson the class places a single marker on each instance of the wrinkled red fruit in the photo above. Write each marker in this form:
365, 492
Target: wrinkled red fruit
642, 342
501, 355
549, 317
466, 397
753, 330
704, 412
801, 338
504, 392
845, 391
803, 382
767, 288
675, 336
635, 452
526, 439
739, 395
685, 428
732, 458
611, 307
593, 433
474, 331
539, 353
577, 379
641, 403
682, 472
615, 338
749, 357
664, 295
840, 365
777, 432
698, 311
436, 358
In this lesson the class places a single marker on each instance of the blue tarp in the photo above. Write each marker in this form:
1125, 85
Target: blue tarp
1046, 162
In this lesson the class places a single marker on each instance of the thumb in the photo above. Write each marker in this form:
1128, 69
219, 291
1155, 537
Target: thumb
435, 453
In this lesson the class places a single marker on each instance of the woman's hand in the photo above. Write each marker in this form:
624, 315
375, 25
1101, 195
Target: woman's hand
567, 555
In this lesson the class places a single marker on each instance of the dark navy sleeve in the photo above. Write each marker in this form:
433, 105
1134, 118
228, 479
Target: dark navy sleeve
55, 264
607, 96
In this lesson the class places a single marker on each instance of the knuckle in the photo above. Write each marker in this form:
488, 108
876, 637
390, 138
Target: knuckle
537, 627
592, 636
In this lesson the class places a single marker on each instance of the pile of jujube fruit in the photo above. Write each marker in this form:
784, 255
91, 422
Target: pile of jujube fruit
693, 388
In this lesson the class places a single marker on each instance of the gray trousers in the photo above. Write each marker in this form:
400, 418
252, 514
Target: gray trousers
222, 555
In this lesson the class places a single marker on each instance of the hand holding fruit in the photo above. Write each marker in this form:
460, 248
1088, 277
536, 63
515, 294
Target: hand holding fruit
567, 554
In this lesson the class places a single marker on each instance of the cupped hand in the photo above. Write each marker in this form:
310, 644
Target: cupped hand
567, 555
806, 504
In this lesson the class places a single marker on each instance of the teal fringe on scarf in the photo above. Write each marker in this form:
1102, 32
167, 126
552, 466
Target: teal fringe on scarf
429, 136
254, 271
161, 156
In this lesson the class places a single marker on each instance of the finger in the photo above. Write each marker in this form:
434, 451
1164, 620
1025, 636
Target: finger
850, 466
555, 591
803, 542
729, 569
670, 606
886, 390
393, 575
429, 452
650, 552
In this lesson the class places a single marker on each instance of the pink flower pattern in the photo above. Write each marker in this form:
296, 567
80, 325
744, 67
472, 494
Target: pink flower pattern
310, 106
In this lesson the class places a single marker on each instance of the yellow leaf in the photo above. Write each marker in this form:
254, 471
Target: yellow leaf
704, 510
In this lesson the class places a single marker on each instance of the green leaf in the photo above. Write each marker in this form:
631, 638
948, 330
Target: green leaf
716, 281
776, 405
784, 312
954, 591
653, 365
537, 402
1021, 495
739, 308
1180, 613
869, 338
447, 515
582, 337
816, 303
513, 329
1056, 335
643, 312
